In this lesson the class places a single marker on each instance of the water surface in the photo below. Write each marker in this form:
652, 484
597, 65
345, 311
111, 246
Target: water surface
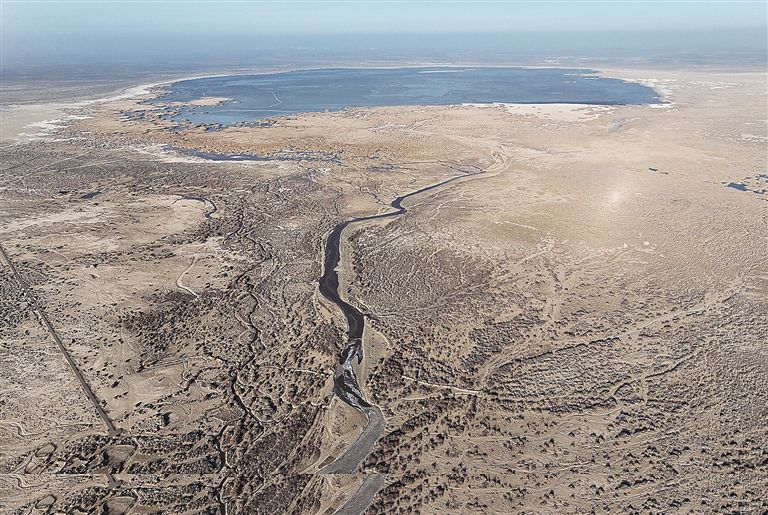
257, 97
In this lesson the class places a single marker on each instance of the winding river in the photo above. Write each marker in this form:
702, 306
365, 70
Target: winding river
345, 384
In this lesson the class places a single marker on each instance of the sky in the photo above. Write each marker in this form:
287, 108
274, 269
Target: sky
64, 31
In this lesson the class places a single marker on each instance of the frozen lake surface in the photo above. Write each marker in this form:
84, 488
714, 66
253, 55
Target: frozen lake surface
258, 97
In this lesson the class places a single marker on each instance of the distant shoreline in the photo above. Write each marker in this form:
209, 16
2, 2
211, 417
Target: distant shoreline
370, 87
21, 116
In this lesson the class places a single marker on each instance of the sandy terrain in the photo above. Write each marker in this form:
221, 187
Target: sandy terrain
579, 327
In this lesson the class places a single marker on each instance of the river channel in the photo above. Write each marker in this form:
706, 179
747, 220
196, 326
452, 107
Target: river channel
345, 383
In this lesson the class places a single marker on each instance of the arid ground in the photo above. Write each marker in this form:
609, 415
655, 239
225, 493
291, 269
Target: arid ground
576, 325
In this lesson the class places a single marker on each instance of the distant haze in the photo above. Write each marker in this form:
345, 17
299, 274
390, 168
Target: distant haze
226, 34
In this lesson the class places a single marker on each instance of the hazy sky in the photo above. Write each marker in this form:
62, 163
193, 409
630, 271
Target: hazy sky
78, 31
33, 18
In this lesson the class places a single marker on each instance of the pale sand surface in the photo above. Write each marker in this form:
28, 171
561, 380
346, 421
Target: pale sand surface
20, 123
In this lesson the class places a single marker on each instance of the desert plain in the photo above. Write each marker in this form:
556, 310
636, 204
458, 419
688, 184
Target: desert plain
576, 324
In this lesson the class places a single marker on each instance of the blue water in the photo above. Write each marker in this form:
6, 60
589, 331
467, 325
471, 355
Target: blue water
258, 97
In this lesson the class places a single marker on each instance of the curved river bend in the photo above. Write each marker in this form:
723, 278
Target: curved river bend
345, 383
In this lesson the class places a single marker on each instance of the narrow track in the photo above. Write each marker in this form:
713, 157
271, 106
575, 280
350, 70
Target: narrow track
111, 429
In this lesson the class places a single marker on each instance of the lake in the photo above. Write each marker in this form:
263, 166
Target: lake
259, 97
